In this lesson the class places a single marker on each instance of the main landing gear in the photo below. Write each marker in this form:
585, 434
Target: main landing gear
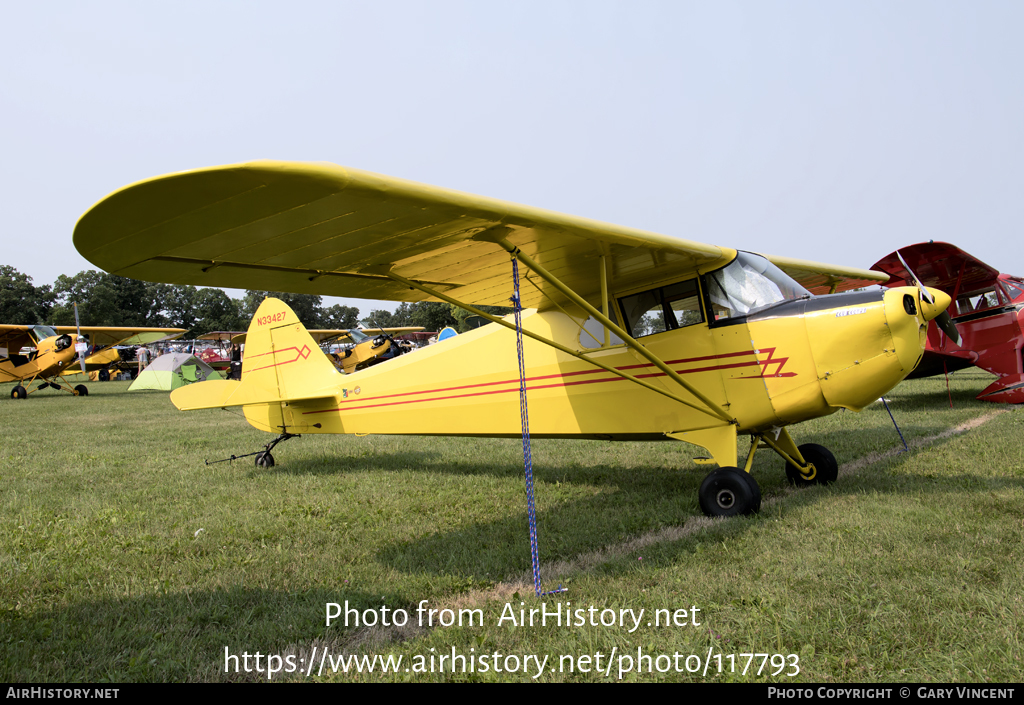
730, 491
19, 392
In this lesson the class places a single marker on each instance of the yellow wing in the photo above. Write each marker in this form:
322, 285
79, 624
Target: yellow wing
329, 230
106, 337
827, 278
13, 338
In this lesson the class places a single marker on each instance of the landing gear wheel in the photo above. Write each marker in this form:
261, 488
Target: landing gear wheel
19, 392
264, 459
729, 492
104, 375
81, 391
825, 471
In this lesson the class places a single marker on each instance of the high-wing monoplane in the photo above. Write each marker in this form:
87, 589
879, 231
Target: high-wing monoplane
988, 309
627, 334
45, 353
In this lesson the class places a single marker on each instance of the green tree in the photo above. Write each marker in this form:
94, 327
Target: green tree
95, 298
21, 303
215, 310
308, 307
338, 316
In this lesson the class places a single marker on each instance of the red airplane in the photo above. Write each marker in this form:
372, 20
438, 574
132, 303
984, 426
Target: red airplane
987, 308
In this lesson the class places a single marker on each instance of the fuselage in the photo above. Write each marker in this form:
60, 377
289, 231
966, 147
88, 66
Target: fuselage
51, 355
777, 365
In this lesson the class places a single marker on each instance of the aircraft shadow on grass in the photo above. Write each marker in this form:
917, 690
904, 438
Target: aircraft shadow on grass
176, 636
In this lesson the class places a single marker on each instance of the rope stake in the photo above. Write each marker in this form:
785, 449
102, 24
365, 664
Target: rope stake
906, 448
525, 417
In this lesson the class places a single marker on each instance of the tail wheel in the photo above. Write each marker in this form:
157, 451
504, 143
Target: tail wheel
825, 469
264, 459
728, 492
19, 392
81, 391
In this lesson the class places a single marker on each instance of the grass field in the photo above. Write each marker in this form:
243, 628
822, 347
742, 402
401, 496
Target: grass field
124, 557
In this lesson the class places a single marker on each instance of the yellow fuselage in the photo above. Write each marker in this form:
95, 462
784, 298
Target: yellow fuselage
794, 361
49, 360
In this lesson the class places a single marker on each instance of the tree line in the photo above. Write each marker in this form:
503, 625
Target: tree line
110, 300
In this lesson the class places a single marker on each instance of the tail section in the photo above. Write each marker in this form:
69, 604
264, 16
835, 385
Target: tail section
1008, 389
282, 363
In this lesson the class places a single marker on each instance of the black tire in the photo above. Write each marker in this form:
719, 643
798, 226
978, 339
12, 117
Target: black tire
264, 459
81, 391
729, 492
19, 392
104, 375
826, 469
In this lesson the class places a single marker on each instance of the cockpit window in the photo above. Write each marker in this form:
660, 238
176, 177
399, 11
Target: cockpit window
666, 308
978, 301
42, 332
1014, 289
750, 282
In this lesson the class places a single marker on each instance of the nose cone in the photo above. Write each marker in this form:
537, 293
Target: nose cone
863, 351
940, 302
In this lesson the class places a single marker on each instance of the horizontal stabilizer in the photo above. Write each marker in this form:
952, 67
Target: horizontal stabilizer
282, 363
1005, 390
217, 394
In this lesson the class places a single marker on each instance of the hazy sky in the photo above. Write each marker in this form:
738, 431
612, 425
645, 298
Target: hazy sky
832, 131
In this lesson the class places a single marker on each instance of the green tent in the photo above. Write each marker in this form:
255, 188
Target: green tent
174, 370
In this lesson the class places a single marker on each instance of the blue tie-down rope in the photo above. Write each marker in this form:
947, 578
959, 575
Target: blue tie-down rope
527, 455
905, 447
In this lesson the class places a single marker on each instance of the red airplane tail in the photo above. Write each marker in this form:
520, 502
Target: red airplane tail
1008, 389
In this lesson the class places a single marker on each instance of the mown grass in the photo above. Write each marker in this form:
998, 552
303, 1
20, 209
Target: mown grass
124, 557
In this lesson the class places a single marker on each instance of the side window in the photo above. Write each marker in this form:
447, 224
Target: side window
978, 301
1013, 290
666, 308
592, 335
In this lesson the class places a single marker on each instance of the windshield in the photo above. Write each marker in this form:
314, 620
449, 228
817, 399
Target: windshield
750, 282
42, 332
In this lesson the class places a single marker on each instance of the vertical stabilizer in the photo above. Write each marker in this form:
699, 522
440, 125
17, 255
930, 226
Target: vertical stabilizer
282, 363
281, 355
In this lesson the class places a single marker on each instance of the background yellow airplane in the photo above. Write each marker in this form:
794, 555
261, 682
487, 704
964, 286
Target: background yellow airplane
44, 353
632, 335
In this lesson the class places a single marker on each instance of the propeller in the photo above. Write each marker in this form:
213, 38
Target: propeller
943, 320
80, 345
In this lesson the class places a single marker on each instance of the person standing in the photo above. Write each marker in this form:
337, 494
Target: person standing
142, 355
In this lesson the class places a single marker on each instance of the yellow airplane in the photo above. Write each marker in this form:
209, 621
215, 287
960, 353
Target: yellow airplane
46, 353
630, 335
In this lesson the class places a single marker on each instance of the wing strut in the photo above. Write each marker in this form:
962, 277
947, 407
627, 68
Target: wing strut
610, 325
709, 408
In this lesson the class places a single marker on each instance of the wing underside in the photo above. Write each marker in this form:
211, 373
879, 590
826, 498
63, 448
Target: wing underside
939, 265
328, 230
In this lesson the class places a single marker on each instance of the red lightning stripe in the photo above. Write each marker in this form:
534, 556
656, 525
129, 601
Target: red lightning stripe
563, 376
303, 354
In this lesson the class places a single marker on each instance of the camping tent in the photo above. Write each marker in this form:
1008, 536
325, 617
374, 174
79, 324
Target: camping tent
174, 370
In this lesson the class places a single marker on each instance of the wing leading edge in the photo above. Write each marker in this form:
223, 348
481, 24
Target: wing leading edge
329, 230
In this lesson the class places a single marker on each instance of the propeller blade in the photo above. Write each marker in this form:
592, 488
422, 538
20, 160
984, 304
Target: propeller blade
920, 287
945, 322
80, 345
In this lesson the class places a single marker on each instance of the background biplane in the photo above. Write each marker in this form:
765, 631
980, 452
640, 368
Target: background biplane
28, 353
632, 335
988, 309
